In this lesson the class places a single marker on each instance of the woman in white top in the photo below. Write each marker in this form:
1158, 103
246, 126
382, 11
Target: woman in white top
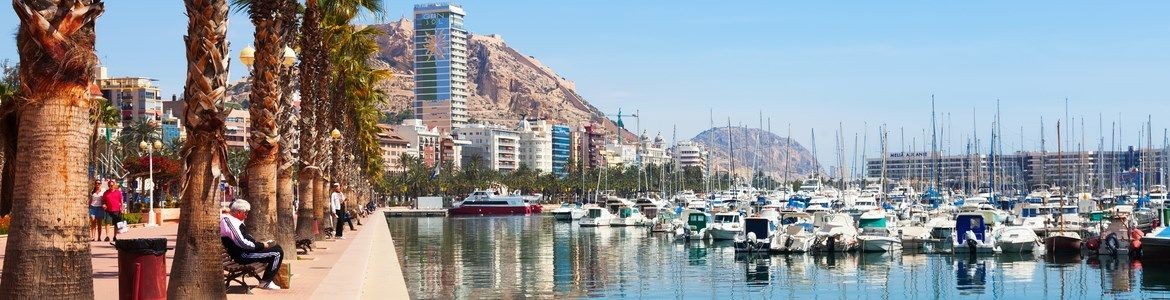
96, 212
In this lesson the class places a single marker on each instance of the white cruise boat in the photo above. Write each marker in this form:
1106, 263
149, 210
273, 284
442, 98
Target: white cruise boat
726, 225
878, 232
757, 234
595, 217
1017, 239
568, 212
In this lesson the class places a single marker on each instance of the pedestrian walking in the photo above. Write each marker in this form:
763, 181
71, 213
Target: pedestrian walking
112, 200
97, 214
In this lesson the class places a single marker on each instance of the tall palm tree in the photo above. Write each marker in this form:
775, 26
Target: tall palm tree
309, 212
263, 139
288, 139
48, 255
197, 272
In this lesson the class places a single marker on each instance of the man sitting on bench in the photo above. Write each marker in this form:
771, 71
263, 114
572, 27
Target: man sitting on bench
243, 248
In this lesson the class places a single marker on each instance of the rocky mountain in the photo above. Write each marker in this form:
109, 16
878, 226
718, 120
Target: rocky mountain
505, 84
770, 156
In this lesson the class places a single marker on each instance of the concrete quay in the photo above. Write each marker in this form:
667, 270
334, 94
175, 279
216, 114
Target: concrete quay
362, 266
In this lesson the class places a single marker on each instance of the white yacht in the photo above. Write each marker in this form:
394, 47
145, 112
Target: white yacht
595, 217
1017, 239
726, 226
568, 212
757, 234
878, 232
973, 233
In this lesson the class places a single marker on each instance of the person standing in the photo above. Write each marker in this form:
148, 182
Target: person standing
335, 201
112, 199
97, 214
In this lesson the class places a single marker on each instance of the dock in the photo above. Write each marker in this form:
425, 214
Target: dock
409, 212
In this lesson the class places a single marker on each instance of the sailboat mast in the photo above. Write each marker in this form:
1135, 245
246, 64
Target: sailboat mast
730, 155
787, 151
816, 160
933, 146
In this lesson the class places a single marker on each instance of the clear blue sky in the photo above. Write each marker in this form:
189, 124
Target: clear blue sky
809, 64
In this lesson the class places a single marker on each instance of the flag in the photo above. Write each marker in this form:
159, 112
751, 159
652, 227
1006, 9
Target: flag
435, 173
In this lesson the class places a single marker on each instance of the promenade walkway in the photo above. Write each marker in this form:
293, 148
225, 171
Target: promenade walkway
362, 266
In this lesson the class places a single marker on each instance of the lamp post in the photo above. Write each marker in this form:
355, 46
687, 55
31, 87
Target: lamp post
151, 220
335, 136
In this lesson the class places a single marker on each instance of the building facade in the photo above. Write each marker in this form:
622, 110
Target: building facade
536, 145
652, 152
440, 66
1071, 170
236, 129
172, 128
137, 98
393, 147
562, 149
424, 141
591, 146
687, 154
493, 146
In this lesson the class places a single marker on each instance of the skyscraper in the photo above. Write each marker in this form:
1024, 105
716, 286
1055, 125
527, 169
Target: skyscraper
440, 66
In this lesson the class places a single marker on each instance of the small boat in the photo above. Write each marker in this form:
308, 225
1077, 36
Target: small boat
1017, 239
595, 217
1119, 237
726, 225
835, 233
878, 232
757, 235
941, 226
486, 202
568, 212
1155, 246
973, 233
696, 226
666, 221
1064, 237
628, 216
796, 236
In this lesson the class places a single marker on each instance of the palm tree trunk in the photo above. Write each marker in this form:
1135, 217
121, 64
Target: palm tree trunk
307, 191
198, 271
264, 138
48, 252
321, 206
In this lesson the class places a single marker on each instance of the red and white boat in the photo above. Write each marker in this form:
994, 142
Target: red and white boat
487, 202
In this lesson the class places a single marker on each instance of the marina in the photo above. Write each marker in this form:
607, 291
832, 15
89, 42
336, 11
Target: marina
535, 256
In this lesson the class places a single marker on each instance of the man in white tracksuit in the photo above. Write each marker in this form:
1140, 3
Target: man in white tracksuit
335, 201
243, 248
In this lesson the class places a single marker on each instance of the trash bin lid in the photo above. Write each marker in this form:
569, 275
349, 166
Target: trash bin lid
153, 246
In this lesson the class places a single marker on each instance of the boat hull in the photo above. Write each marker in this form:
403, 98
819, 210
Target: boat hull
720, 234
1062, 244
494, 210
1017, 246
590, 222
1155, 249
563, 216
878, 244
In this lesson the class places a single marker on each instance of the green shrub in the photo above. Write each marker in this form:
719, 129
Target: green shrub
133, 218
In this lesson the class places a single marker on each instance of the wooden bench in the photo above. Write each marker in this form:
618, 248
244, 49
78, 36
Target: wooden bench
235, 272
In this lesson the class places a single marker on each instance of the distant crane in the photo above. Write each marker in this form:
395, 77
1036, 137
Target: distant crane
620, 125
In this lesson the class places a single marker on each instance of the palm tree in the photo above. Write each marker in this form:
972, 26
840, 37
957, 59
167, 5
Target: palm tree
311, 139
198, 271
138, 131
48, 254
285, 196
264, 140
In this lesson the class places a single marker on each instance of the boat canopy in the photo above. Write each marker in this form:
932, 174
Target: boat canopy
873, 223
970, 222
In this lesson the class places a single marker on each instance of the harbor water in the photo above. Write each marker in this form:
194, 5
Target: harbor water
538, 257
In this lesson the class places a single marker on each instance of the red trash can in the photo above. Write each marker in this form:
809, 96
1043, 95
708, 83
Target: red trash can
142, 268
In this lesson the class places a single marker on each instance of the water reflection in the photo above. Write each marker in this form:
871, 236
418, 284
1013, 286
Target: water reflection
536, 257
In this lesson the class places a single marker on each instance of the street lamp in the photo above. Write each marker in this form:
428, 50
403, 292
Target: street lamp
248, 56
151, 220
290, 56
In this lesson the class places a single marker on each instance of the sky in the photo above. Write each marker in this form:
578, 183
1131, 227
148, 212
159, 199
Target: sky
814, 65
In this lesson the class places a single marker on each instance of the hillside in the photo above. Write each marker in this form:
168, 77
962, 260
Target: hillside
771, 155
505, 84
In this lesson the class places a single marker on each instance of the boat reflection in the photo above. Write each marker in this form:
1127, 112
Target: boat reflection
970, 275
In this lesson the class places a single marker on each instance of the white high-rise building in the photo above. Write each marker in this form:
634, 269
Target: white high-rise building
689, 154
493, 146
536, 145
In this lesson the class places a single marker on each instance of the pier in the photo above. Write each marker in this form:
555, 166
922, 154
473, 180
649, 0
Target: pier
362, 266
